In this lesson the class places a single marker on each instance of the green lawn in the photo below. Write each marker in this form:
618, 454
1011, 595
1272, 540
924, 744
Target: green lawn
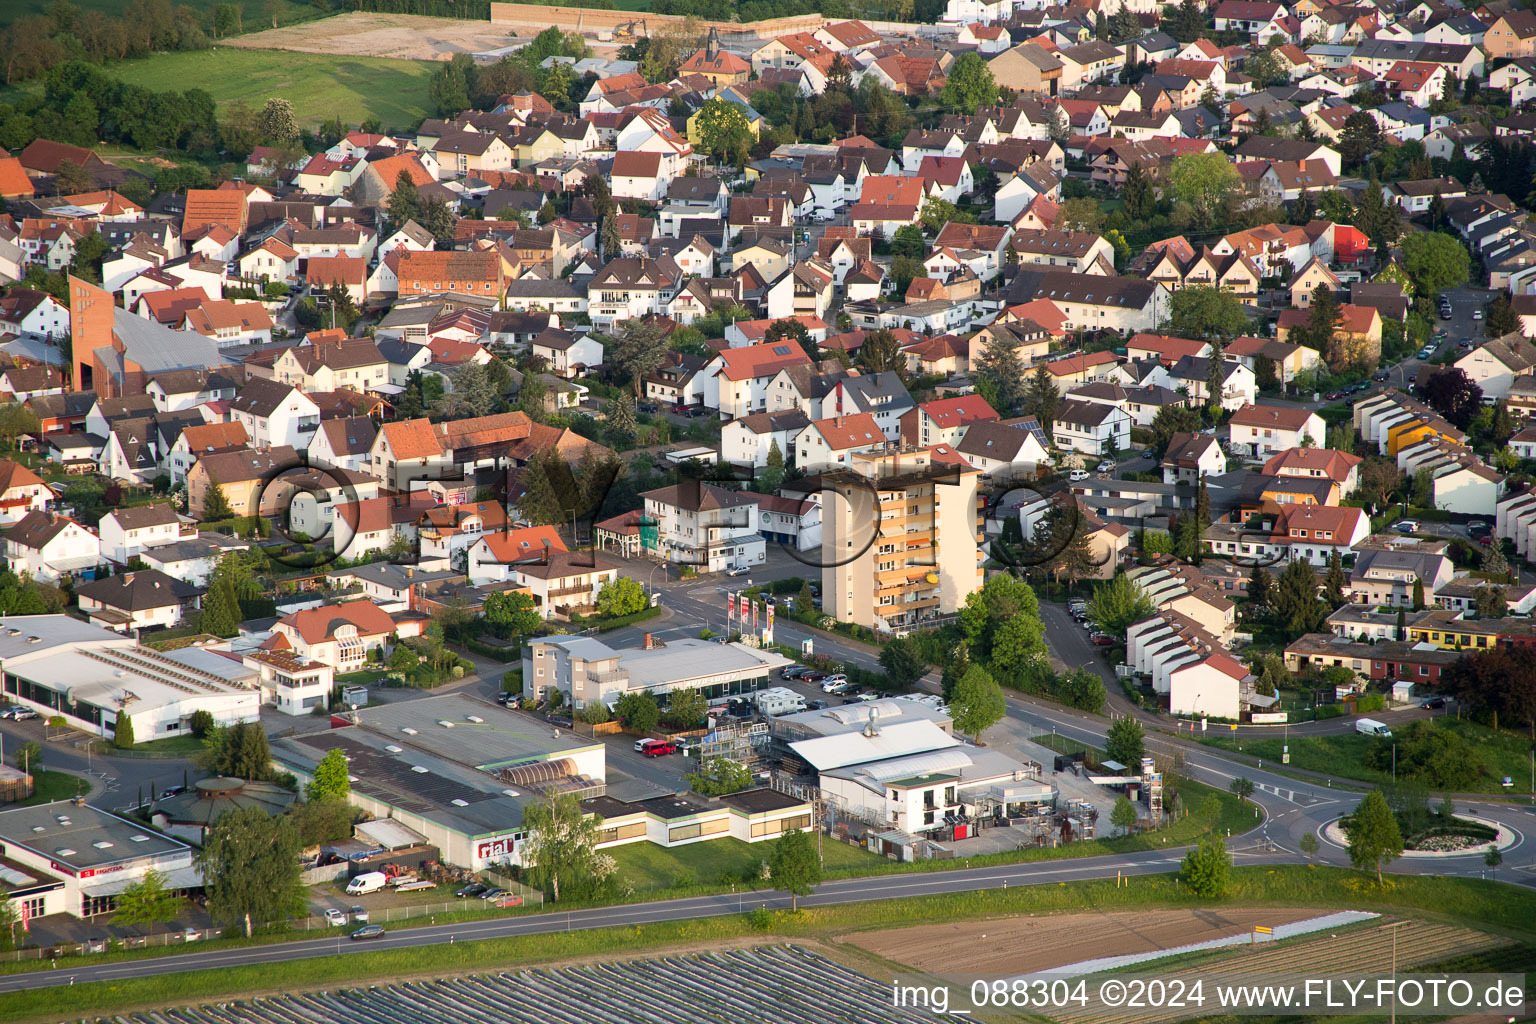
49, 786
253, 12
318, 86
171, 745
1343, 756
645, 866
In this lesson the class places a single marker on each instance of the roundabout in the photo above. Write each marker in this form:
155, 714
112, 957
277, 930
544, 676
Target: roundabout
1505, 839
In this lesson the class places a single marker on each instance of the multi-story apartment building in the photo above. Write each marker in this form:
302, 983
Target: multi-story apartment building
900, 534
699, 524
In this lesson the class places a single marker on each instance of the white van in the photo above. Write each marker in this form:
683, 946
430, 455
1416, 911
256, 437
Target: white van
372, 881
1371, 727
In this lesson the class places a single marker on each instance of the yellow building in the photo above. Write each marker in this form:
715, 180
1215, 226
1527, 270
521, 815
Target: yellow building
902, 530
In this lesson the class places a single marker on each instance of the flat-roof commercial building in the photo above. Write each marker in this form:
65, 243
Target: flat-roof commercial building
456, 770
460, 772
93, 676
68, 857
587, 670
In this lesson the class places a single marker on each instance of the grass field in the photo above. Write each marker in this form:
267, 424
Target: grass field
253, 12
319, 87
1498, 909
646, 866
50, 786
1343, 756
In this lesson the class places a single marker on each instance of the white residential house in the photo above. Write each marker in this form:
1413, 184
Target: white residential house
49, 546
1264, 430
127, 532
1092, 428
704, 526
275, 414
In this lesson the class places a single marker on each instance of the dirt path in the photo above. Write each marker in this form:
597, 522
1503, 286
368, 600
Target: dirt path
1022, 944
361, 34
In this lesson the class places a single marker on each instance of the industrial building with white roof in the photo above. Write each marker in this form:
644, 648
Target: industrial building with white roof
91, 676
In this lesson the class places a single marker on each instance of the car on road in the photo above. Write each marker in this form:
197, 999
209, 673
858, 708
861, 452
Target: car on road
334, 917
1101, 639
1148, 453
655, 748
1434, 702
360, 915
1464, 344
1106, 466
1406, 526
738, 570
1477, 314
368, 931
1380, 375
1334, 396
472, 889
1426, 352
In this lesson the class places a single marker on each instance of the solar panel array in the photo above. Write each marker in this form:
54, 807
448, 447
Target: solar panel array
771, 983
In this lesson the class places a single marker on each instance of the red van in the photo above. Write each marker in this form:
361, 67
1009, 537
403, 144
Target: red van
656, 748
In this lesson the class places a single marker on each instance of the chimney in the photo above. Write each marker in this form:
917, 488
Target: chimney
410, 572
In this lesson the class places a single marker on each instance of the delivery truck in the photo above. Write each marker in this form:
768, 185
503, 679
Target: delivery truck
1371, 727
371, 881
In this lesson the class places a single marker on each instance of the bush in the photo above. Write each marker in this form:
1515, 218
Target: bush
1370, 702
1330, 711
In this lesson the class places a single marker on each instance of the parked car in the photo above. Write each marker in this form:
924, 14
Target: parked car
1435, 702
1426, 351
507, 899
334, 917
506, 697
834, 684
472, 889
814, 676
739, 570
1078, 474
1148, 453
656, 748
1478, 527
1406, 526
21, 714
494, 894
1445, 312
1106, 466
360, 915
368, 931
793, 672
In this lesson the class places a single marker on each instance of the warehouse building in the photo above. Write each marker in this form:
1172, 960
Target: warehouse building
68, 857
91, 677
586, 670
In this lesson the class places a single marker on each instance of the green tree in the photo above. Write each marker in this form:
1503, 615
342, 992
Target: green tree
221, 609
1335, 582
1001, 370
147, 901
903, 663
1266, 377
437, 219
938, 212
686, 708
331, 778
1296, 605
881, 351
201, 722
637, 349
276, 123
1436, 262
1204, 181
794, 865
1492, 859
1118, 603
511, 613
1123, 816
1242, 788
621, 596
404, 200
1205, 314
908, 241
237, 751
1125, 742
403, 659
1418, 595
1501, 318
1374, 837
1207, 869
1170, 420
638, 711
1042, 398
250, 866
977, 703
1309, 845
28, 756
449, 86
562, 845
1138, 194
719, 776
122, 732
969, 85
1360, 137
215, 505
724, 132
